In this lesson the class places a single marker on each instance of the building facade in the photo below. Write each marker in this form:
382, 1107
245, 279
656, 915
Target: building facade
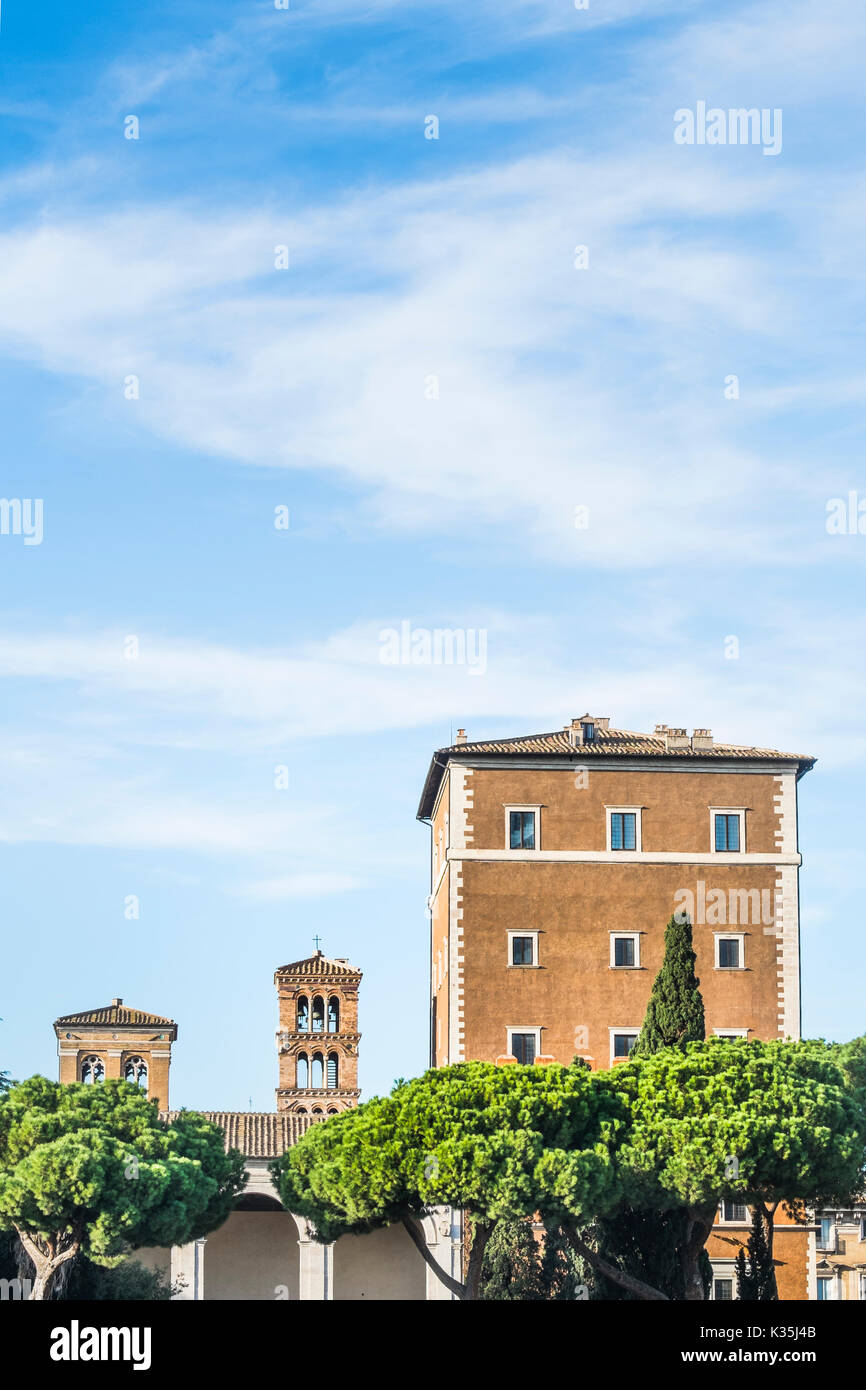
117, 1042
318, 1038
556, 861
262, 1251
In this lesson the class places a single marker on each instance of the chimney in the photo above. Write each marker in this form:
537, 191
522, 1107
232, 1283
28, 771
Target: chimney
675, 739
461, 737
661, 728
116, 1002
575, 733
702, 738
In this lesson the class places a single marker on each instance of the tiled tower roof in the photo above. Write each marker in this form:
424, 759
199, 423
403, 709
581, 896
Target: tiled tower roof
317, 965
115, 1014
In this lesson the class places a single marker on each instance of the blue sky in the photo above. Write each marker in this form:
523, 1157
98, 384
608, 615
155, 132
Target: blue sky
431, 388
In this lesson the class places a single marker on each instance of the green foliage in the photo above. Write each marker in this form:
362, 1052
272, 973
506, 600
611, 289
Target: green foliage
512, 1268
483, 1138
756, 1279
675, 1012
754, 1121
519, 1267
560, 1273
647, 1243
128, 1282
96, 1166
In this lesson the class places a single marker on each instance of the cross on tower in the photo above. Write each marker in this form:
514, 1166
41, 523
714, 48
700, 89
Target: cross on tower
317, 939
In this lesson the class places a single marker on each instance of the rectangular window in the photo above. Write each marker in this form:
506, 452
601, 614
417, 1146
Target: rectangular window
727, 833
522, 950
521, 827
623, 1043
622, 830
735, 1213
729, 953
825, 1289
523, 1048
825, 1237
723, 1290
623, 950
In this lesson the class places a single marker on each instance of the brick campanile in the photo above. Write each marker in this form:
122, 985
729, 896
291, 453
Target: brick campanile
317, 1040
120, 1043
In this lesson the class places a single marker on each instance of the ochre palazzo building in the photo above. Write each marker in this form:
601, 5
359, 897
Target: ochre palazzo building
558, 858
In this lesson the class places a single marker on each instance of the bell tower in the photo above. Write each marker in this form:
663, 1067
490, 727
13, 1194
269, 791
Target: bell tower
120, 1043
318, 1036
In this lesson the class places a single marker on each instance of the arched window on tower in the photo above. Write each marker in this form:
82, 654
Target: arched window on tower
303, 1072
332, 1110
333, 1014
318, 1014
303, 1014
317, 1079
332, 1071
92, 1070
136, 1072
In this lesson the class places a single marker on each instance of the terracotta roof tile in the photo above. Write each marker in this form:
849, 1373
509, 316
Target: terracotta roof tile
257, 1134
606, 743
117, 1015
318, 965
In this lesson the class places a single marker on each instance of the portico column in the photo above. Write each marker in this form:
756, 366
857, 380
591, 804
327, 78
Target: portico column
187, 1263
442, 1233
316, 1268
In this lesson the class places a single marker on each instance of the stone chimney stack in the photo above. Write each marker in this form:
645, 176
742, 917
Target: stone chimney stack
461, 737
702, 738
675, 739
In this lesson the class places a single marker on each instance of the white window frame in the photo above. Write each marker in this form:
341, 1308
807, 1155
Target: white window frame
537, 813
726, 1221
630, 936
731, 1032
830, 1247
729, 936
834, 1287
723, 1269
739, 811
509, 1033
624, 810
612, 1033
523, 931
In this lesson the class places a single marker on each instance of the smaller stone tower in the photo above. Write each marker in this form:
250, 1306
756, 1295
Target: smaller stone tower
116, 1042
318, 1036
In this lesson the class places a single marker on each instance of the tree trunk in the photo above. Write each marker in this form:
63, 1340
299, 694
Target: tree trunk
697, 1233
616, 1276
46, 1262
481, 1235
416, 1235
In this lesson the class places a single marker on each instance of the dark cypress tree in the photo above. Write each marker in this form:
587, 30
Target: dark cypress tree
756, 1277
675, 1013
511, 1268
646, 1244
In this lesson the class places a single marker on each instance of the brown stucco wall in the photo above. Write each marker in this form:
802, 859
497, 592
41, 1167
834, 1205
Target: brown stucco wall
575, 906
